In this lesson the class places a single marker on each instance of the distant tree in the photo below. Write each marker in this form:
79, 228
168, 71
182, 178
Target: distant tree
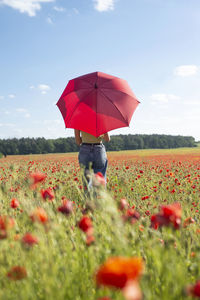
35, 148
163, 143
50, 147
115, 144
118, 142
130, 142
140, 142
42, 145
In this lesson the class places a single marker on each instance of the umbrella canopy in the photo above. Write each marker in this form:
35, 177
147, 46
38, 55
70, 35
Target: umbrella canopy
97, 103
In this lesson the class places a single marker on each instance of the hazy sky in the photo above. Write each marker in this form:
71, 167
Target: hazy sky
153, 44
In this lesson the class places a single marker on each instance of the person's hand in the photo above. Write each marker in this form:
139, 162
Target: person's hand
77, 137
106, 137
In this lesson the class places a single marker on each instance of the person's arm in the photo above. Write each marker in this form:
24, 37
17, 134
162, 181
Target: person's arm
77, 137
106, 137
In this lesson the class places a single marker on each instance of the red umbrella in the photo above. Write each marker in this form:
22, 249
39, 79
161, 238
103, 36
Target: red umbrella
97, 103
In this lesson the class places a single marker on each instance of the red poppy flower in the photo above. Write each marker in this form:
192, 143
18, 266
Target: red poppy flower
123, 204
194, 290
6, 223
29, 240
188, 221
47, 194
117, 271
66, 208
17, 273
14, 203
90, 239
131, 215
99, 179
39, 215
169, 214
85, 224
36, 178
145, 197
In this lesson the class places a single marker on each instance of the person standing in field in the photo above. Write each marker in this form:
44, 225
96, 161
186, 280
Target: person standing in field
92, 153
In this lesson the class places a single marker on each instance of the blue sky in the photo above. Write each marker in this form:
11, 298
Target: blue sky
153, 44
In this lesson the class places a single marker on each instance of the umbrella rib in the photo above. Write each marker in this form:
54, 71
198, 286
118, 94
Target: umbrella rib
109, 79
78, 105
115, 107
121, 93
74, 91
87, 82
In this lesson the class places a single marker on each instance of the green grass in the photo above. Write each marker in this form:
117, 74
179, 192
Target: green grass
62, 266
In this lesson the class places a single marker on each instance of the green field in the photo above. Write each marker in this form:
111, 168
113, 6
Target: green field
60, 260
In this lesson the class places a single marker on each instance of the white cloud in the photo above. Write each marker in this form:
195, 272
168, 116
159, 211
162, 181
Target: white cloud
76, 11
49, 20
192, 117
1, 97
27, 115
192, 102
172, 97
44, 88
53, 128
53, 122
24, 111
6, 112
163, 98
7, 125
103, 5
11, 96
29, 7
59, 8
18, 131
21, 110
170, 119
186, 70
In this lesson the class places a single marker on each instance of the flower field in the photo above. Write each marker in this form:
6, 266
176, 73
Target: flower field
137, 239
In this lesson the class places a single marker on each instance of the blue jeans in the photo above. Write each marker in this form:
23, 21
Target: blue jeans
93, 156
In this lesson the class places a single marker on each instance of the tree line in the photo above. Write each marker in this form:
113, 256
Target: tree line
118, 142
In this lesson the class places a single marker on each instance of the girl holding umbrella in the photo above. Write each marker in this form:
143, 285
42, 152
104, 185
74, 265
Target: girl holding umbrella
92, 152
94, 104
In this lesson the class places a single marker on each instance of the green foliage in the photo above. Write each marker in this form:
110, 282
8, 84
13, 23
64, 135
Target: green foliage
117, 143
197, 144
153, 141
61, 266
